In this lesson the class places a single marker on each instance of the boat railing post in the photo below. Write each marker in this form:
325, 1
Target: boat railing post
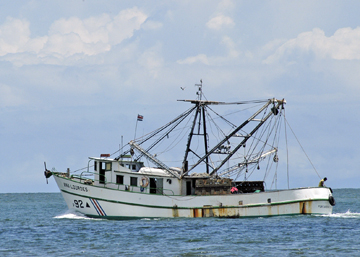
88, 167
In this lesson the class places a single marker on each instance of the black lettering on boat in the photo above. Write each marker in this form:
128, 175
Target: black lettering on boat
75, 187
78, 204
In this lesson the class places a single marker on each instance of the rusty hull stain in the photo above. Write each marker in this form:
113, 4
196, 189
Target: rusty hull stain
196, 213
305, 207
309, 206
210, 211
269, 210
228, 212
175, 212
302, 209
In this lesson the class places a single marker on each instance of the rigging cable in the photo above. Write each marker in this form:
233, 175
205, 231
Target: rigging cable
287, 153
302, 147
266, 128
275, 125
175, 123
278, 140
180, 136
256, 140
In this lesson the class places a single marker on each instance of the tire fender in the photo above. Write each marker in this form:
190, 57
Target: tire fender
332, 200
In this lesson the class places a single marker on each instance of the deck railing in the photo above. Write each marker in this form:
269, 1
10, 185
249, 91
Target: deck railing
85, 178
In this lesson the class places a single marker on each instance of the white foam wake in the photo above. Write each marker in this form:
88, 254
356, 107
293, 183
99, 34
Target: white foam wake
72, 215
347, 214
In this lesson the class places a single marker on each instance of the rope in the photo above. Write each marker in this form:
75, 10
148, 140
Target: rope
287, 153
302, 147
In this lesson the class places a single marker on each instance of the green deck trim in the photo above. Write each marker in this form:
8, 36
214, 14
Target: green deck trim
188, 208
103, 187
222, 217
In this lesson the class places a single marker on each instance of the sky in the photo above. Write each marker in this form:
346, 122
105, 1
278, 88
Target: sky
75, 74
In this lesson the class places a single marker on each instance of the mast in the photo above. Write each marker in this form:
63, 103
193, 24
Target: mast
185, 162
200, 110
198, 127
274, 111
205, 140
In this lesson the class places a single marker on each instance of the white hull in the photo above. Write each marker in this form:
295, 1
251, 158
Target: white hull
98, 201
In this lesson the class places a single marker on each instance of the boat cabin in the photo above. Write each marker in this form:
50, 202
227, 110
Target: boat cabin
127, 174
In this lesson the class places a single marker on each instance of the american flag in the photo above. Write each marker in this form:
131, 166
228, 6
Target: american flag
140, 117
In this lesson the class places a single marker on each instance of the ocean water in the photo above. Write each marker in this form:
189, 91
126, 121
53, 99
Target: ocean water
39, 224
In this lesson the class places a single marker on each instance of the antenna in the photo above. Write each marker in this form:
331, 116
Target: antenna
121, 148
199, 92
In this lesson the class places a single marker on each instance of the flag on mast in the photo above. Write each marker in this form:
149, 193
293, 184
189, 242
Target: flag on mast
140, 117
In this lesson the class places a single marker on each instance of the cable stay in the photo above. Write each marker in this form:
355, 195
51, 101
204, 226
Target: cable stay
155, 160
217, 154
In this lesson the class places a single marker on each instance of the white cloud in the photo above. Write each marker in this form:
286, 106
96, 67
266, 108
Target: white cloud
151, 25
152, 60
232, 54
15, 37
343, 45
202, 58
231, 47
219, 22
124, 25
68, 37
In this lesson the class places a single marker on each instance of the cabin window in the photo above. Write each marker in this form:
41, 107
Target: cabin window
133, 181
152, 185
188, 187
119, 179
133, 167
122, 165
95, 164
156, 185
101, 173
108, 166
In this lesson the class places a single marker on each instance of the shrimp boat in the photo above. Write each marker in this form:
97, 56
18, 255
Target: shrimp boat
197, 165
